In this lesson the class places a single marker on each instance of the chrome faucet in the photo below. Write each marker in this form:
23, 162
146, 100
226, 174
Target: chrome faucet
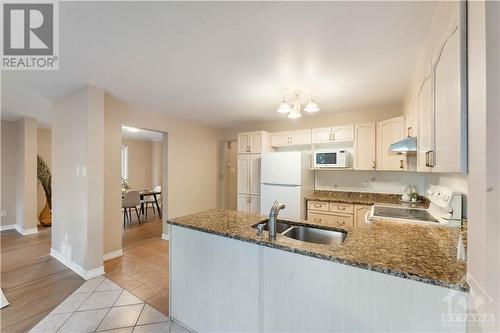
273, 216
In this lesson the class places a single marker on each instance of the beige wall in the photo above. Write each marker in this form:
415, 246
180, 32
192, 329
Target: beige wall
483, 261
191, 185
156, 176
45, 151
26, 182
78, 177
9, 159
140, 158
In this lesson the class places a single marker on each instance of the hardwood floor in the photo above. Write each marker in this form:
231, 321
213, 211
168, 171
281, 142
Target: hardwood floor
33, 282
143, 268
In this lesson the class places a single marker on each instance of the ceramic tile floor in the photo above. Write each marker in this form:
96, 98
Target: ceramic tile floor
100, 305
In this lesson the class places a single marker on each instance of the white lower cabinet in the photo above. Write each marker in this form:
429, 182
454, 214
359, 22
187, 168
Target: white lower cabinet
248, 203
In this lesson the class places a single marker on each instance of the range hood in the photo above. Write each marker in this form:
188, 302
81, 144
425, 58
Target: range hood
408, 145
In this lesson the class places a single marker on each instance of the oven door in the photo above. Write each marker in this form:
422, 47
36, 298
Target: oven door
326, 160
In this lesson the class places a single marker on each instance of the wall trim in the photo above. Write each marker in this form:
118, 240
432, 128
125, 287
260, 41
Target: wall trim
165, 237
75, 267
7, 227
112, 255
25, 232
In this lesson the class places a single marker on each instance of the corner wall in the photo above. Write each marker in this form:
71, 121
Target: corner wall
77, 150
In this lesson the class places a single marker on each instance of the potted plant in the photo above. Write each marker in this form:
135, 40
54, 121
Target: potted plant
45, 178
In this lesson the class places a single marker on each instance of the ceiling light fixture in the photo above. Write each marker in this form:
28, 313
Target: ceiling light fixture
131, 129
297, 99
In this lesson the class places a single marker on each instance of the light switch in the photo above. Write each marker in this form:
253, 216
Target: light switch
84, 171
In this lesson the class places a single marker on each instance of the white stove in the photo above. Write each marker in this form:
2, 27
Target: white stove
445, 209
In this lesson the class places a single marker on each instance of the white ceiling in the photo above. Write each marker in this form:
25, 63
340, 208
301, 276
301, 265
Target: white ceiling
229, 63
141, 134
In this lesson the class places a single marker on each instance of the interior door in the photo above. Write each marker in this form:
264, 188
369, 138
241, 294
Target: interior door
321, 135
254, 175
365, 147
243, 174
425, 132
343, 133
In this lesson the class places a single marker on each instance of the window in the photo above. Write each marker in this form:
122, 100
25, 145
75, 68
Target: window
124, 162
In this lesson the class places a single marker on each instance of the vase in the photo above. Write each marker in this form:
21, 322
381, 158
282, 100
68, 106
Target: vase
45, 216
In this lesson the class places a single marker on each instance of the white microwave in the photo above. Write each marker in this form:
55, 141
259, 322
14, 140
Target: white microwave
331, 158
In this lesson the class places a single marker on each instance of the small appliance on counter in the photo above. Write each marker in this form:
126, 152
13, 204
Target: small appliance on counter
445, 209
332, 158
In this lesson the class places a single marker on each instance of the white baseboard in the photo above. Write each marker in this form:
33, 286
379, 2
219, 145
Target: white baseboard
75, 267
26, 232
7, 227
165, 237
112, 255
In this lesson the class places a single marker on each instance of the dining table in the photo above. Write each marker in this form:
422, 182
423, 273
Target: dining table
154, 194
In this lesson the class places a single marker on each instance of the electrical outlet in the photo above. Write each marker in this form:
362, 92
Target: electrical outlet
3, 213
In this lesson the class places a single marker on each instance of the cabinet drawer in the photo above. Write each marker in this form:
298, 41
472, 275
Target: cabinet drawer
341, 208
318, 205
332, 220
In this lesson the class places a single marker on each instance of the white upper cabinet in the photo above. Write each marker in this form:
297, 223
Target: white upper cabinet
289, 138
252, 142
333, 134
450, 127
411, 117
322, 135
388, 132
343, 133
364, 147
425, 130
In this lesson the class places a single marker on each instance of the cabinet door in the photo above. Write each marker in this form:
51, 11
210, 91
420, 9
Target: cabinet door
321, 135
364, 154
388, 132
243, 143
449, 115
360, 212
243, 174
243, 203
255, 143
254, 175
280, 139
425, 130
302, 137
254, 207
343, 133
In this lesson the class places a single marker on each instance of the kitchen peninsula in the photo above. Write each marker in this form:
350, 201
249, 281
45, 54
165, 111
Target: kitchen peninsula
225, 277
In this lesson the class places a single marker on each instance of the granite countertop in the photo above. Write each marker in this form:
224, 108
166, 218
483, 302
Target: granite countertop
421, 253
360, 198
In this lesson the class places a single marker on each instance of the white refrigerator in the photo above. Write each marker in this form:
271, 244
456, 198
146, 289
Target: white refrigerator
286, 177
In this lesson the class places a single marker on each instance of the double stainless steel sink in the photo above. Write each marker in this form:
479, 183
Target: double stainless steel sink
306, 233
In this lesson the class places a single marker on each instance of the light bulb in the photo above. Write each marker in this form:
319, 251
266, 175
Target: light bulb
284, 108
311, 107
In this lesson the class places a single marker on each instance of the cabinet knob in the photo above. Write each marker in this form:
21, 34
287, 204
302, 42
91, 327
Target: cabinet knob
317, 206
401, 164
374, 164
341, 207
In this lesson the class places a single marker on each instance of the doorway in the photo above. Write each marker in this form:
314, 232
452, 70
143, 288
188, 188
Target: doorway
231, 174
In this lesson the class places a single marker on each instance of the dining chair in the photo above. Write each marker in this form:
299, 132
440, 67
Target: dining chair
151, 200
130, 200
